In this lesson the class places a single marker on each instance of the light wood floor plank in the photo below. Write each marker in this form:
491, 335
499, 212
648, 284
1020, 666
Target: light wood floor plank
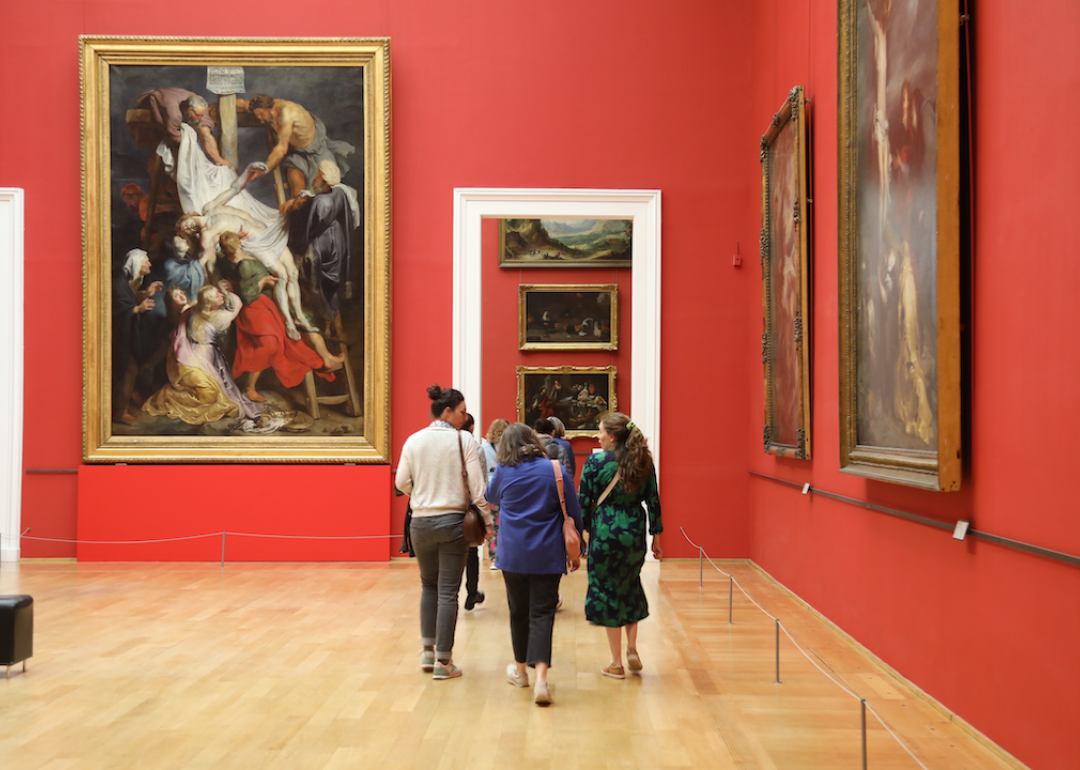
316, 667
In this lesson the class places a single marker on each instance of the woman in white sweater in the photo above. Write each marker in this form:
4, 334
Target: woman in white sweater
429, 471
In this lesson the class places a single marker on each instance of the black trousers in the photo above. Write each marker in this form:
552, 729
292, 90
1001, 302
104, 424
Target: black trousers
472, 571
532, 600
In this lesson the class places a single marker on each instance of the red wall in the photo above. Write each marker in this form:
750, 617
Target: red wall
989, 632
269, 513
570, 94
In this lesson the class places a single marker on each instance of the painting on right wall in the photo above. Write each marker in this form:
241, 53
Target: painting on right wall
899, 241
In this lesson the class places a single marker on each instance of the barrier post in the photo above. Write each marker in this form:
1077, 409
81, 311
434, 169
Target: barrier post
223, 550
777, 652
700, 567
730, 583
862, 708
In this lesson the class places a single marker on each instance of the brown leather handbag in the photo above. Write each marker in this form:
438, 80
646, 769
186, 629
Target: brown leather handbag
472, 526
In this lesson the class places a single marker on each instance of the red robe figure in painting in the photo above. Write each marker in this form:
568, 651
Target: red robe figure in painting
262, 340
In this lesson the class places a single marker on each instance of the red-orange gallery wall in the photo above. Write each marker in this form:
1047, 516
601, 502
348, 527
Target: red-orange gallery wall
672, 97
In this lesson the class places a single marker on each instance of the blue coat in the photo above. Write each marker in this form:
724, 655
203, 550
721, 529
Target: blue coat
530, 518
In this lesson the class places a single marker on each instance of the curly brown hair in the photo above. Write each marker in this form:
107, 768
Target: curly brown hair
631, 450
495, 430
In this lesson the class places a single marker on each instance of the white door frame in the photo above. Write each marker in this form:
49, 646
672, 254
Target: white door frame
472, 205
11, 363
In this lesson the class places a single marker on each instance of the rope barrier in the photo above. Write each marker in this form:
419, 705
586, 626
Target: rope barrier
118, 542
316, 537
208, 534
222, 535
895, 737
780, 626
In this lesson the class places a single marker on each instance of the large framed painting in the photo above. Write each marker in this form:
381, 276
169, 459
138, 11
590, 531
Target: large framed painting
236, 222
785, 342
899, 241
566, 242
568, 317
578, 395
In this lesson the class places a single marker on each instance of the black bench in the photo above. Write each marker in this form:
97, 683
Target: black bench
16, 630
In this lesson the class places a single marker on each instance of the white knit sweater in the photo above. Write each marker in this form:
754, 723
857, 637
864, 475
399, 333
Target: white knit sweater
429, 471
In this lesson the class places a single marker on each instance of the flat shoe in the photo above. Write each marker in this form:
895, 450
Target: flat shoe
614, 670
516, 679
633, 662
541, 693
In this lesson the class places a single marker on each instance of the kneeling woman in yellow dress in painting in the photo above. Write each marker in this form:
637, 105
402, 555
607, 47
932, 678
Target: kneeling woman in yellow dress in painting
201, 388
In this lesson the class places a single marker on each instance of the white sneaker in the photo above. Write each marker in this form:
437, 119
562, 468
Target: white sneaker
516, 679
541, 693
445, 671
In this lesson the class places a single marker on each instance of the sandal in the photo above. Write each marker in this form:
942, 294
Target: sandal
633, 662
614, 670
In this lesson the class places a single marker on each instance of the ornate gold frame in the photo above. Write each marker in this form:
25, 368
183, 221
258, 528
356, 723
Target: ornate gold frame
937, 467
609, 371
793, 342
97, 56
524, 290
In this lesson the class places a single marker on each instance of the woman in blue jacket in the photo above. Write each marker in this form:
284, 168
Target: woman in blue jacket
532, 554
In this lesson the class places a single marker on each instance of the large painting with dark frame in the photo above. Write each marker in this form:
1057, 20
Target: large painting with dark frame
236, 210
568, 317
899, 241
578, 395
566, 242
785, 342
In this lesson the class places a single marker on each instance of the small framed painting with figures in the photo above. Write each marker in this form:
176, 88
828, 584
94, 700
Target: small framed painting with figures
580, 396
568, 317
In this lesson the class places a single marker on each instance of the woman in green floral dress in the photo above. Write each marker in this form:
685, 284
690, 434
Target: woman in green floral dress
616, 527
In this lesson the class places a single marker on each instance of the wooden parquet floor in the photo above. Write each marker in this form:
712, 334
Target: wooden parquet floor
315, 666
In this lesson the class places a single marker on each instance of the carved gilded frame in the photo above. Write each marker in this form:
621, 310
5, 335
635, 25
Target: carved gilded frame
586, 341
785, 261
899, 242
101, 58
569, 376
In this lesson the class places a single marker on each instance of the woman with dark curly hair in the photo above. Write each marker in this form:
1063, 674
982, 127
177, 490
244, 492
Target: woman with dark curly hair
615, 483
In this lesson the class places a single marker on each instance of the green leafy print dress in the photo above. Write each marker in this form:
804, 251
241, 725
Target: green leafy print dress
616, 542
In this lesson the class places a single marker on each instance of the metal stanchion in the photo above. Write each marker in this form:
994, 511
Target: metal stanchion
700, 567
778, 652
223, 550
862, 708
730, 584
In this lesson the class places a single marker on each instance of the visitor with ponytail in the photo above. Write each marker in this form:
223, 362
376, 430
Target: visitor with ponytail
430, 472
615, 484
